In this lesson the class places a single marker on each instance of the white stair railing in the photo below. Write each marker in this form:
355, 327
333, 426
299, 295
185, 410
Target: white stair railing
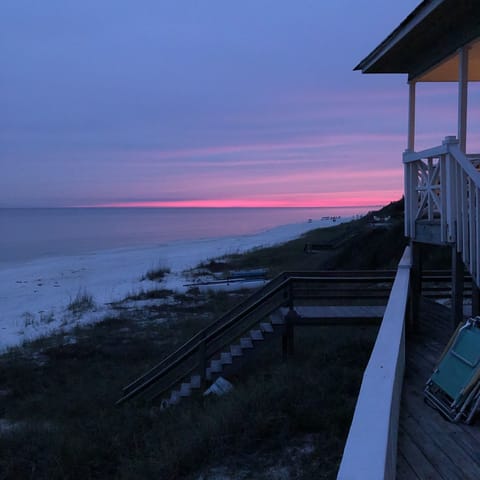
442, 185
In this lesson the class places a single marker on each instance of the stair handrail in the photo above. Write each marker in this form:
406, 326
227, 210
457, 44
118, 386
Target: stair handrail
204, 331
221, 333
191, 346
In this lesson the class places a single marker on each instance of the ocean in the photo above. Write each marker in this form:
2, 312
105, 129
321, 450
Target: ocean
28, 234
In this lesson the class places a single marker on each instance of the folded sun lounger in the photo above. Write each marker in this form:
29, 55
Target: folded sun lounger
454, 387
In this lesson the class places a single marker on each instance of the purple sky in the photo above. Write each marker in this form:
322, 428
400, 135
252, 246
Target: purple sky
209, 103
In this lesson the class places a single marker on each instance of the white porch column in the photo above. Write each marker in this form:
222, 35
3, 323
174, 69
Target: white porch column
462, 97
411, 116
407, 169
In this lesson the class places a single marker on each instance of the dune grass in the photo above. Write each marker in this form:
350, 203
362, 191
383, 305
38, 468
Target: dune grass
156, 274
81, 303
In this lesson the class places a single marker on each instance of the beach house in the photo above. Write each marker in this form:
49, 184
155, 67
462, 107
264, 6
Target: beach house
438, 42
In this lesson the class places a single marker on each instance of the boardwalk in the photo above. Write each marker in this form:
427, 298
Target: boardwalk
429, 447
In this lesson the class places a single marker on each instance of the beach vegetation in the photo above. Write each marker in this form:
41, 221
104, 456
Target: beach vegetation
32, 320
47, 317
214, 265
156, 293
81, 303
156, 274
28, 319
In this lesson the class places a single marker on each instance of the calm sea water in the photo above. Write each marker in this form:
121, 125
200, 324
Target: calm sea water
27, 234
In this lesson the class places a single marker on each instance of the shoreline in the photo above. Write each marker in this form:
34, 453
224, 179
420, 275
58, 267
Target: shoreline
34, 295
85, 231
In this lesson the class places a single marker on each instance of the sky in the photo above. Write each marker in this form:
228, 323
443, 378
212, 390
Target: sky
204, 103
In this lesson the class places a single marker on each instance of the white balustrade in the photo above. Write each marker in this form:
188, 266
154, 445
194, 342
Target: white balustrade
442, 184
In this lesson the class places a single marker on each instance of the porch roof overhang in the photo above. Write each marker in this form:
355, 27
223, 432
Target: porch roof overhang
425, 45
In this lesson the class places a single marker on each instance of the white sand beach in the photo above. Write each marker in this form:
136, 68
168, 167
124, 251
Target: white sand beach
34, 296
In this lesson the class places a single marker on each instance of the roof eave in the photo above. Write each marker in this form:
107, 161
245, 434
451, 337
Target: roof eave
415, 18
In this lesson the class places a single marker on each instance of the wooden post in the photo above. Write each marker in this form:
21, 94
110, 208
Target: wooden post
457, 287
408, 187
462, 97
288, 345
475, 299
411, 116
285, 345
202, 362
415, 285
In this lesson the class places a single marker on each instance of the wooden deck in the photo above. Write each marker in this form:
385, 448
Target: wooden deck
429, 447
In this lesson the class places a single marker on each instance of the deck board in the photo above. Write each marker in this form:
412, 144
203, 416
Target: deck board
428, 445
404, 470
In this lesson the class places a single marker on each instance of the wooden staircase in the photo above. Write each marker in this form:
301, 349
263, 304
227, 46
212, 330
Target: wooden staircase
231, 342
229, 361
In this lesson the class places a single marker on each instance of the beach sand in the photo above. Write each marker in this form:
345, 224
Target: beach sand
34, 296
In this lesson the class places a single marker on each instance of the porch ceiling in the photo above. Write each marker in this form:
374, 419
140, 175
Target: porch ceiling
429, 37
447, 71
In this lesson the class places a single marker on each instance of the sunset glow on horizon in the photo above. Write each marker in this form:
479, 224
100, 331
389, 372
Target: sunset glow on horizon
359, 200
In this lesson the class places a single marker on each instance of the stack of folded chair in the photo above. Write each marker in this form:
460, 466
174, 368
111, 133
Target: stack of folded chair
454, 387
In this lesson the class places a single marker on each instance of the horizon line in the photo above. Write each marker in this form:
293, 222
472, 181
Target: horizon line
236, 203
152, 207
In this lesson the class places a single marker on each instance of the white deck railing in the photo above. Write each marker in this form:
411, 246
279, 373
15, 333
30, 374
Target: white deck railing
371, 448
442, 184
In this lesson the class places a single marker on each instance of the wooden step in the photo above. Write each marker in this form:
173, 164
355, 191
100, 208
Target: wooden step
236, 350
216, 366
256, 335
185, 389
195, 381
266, 327
226, 358
174, 397
246, 342
277, 318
